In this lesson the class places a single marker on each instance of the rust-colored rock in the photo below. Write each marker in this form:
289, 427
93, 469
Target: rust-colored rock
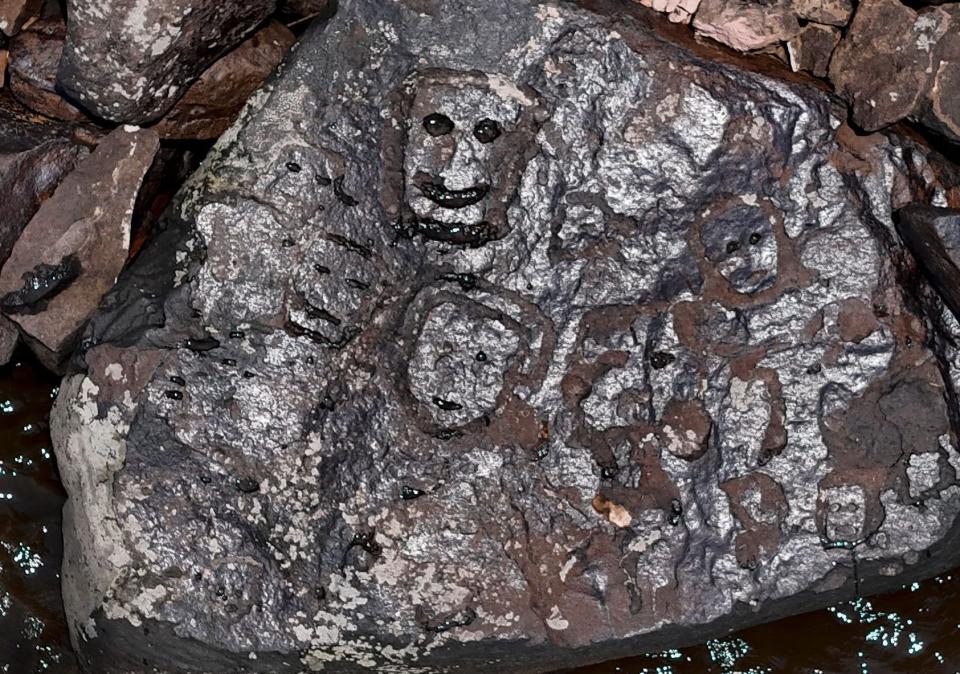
746, 26
830, 12
15, 13
34, 57
72, 250
894, 63
212, 104
35, 155
129, 62
811, 50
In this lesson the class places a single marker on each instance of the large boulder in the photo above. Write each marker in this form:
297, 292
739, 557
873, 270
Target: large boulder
131, 60
507, 337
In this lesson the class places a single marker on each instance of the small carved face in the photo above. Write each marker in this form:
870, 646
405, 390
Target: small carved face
467, 137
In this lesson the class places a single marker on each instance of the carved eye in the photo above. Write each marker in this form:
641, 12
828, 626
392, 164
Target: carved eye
487, 131
437, 124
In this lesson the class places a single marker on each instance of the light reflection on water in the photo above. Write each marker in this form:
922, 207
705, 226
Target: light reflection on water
909, 632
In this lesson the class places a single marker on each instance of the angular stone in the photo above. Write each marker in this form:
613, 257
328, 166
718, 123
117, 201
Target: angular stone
391, 388
130, 61
14, 13
941, 111
72, 250
34, 58
811, 50
679, 11
745, 25
829, 12
933, 237
213, 102
35, 155
885, 64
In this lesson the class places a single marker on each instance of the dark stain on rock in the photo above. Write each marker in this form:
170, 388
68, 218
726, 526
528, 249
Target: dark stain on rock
41, 284
341, 194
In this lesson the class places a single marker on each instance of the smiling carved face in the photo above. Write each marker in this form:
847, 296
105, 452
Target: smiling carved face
466, 142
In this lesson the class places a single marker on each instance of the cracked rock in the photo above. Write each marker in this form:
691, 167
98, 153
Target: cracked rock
35, 155
213, 102
539, 340
812, 48
896, 62
128, 61
71, 252
745, 25
34, 57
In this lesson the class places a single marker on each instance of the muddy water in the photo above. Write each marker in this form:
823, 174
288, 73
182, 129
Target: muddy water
913, 631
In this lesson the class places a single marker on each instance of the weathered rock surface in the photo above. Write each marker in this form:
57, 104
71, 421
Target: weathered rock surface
35, 155
746, 25
896, 63
679, 11
933, 236
535, 341
130, 60
34, 58
14, 13
305, 7
212, 104
72, 250
9, 337
812, 48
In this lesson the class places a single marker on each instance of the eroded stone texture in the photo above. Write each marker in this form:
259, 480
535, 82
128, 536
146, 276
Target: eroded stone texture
896, 63
535, 341
71, 252
812, 48
34, 58
746, 25
14, 13
130, 60
305, 7
212, 104
35, 155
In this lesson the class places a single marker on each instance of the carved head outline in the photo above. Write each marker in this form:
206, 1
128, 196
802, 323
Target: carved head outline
461, 142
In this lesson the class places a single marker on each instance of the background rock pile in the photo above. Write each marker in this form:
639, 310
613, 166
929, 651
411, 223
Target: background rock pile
180, 70
888, 59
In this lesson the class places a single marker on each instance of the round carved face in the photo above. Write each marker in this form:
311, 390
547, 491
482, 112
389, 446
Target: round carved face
466, 140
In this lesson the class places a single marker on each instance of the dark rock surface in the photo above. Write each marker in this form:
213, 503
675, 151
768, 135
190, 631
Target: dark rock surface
933, 236
131, 60
9, 337
71, 252
34, 58
507, 337
212, 104
896, 62
306, 7
35, 155
812, 48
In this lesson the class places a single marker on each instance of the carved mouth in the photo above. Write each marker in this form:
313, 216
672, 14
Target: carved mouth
446, 198
456, 233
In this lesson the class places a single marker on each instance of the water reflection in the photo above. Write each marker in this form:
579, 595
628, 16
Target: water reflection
32, 629
915, 630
